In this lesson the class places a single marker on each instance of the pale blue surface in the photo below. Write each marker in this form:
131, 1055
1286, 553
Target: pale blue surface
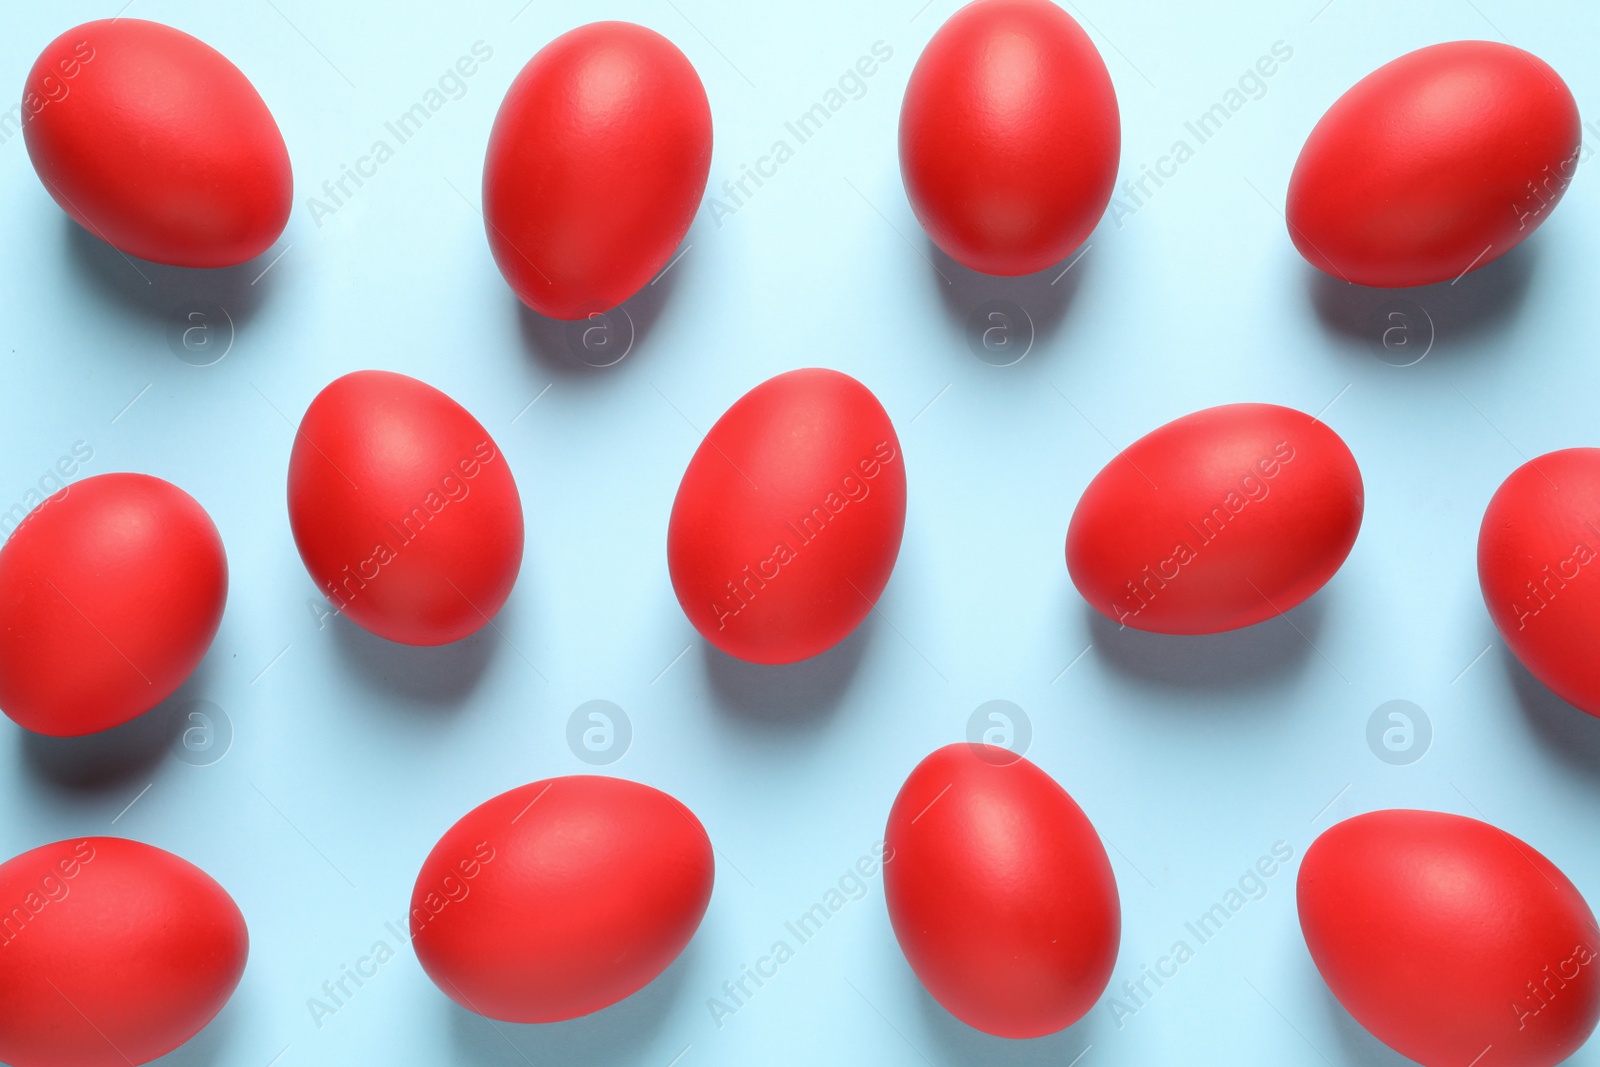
350, 756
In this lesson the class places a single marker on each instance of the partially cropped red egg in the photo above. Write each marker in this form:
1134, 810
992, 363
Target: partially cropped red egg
1450, 940
157, 144
112, 952
110, 594
596, 165
787, 522
404, 509
1539, 569
1000, 892
1434, 165
1220, 519
559, 898
1009, 136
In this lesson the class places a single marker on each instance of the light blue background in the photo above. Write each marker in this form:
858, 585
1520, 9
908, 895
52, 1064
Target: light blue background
350, 756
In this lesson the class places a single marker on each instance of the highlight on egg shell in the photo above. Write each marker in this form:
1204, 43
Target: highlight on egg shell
1450, 940
1009, 136
1434, 165
596, 164
111, 592
1218, 520
1000, 892
112, 952
561, 897
404, 509
1537, 552
787, 522
155, 143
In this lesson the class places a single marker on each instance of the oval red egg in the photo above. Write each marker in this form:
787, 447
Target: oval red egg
1434, 165
111, 592
1009, 136
1537, 566
112, 953
1450, 940
1217, 520
561, 897
596, 165
404, 509
787, 522
1000, 892
155, 143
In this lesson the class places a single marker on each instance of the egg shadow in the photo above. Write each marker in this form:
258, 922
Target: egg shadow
205, 1049
170, 295
787, 695
1569, 733
974, 303
1356, 1043
105, 762
615, 1034
1232, 661
954, 1042
1454, 313
435, 676
585, 349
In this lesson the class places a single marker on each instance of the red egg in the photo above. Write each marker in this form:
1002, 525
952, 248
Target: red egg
1000, 892
112, 953
1537, 553
559, 898
1434, 165
597, 162
788, 521
152, 141
1450, 940
1218, 520
1009, 136
110, 593
404, 509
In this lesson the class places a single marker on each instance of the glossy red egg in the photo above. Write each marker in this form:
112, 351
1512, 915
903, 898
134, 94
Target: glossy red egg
1217, 520
404, 509
1434, 165
1000, 892
1009, 136
1539, 569
110, 594
559, 898
154, 142
1450, 940
112, 953
597, 162
788, 520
